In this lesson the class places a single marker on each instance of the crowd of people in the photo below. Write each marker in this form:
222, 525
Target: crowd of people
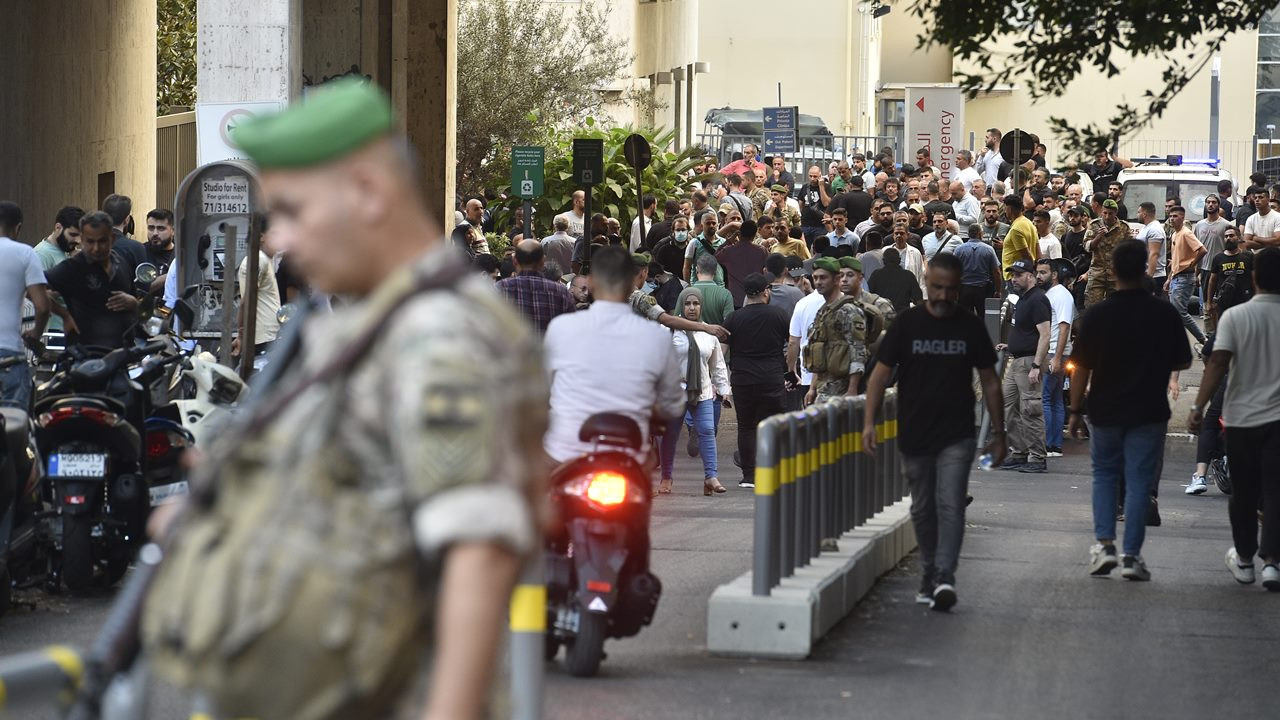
780, 295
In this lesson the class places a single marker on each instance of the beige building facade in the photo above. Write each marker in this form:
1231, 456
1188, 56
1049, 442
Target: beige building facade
79, 118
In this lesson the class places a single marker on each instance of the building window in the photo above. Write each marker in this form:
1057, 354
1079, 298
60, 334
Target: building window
893, 121
1268, 100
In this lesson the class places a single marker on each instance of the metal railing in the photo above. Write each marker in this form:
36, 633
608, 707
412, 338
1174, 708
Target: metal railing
810, 149
814, 482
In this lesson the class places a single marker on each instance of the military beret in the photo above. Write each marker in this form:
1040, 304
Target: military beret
825, 263
851, 263
779, 188
640, 259
333, 121
1110, 204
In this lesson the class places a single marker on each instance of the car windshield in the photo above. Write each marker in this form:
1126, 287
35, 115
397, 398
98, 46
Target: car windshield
1191, 192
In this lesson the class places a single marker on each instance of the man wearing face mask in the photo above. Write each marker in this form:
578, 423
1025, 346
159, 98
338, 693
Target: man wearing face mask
670, 250
935, 350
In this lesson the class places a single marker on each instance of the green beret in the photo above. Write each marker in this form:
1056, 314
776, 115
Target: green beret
641, 259
333, 121
851, 263
780, 188
826, 263
1110, 204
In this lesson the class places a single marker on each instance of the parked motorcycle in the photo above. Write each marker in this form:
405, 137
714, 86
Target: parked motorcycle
597, 552
25, 520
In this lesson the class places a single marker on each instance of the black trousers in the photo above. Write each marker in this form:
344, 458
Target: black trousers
1254, 454
974, 298
1209, 443
754, 403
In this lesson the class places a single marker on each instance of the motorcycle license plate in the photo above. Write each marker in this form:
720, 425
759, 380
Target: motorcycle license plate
163, 494
78, 465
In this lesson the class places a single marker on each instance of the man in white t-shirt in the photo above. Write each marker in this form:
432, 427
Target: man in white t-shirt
1248, 335
1050, 245
801, 320
266, 324
1153, 239
1262, 229
576, 214
21, 274
965, 171
1062, 305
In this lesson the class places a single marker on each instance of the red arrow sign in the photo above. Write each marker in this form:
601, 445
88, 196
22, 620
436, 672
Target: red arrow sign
920, 104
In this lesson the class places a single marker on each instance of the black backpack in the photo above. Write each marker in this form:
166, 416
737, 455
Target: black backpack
1233, 290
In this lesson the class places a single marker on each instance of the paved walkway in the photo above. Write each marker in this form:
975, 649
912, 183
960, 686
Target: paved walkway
1032, 637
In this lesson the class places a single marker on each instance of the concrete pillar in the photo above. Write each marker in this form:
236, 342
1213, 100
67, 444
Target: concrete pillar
424, 88
248, 51
78, 120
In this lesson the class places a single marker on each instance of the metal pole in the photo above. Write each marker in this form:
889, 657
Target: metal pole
249, 299
1214, 88
764, 569
639, 210
528, 621
586, 228
780, 97
527, 230
688, 104
675, 97
228, 294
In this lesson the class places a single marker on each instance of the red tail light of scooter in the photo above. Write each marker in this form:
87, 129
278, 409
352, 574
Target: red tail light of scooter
62, 414
604, 489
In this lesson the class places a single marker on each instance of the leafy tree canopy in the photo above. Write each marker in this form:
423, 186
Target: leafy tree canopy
1053, 41
175, 55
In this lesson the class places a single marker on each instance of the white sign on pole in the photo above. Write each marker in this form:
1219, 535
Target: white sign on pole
229, 195
935, 119
213, 126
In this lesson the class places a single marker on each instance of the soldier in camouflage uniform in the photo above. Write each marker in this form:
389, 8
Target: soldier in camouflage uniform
1101, 239
350, 544
848, 325
753, 186
781, 209
647, 307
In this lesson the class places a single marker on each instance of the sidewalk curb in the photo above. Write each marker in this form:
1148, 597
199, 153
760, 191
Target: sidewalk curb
804, 607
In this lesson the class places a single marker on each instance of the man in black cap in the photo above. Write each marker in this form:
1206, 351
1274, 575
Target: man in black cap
757, 364
1028, 347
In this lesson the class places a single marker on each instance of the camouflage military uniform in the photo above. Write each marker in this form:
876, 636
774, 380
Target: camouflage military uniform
1102, 242
645, 305
315, 558
850, 324
759, 198
785, 212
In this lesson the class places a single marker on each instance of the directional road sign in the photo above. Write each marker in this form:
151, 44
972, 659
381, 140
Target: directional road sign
588, 161
779, 141
782, 118
527, 171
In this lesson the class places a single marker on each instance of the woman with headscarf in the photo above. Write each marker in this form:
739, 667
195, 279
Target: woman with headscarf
705, 376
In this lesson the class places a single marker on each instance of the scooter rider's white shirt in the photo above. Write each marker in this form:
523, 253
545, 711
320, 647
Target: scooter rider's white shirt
20, 268
607, 359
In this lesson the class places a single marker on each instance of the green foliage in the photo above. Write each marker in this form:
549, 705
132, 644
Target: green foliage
666, 177
175, 55
527, 68
1054, 41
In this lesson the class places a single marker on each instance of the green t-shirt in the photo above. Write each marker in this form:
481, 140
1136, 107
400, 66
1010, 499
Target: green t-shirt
51, 255
717, 303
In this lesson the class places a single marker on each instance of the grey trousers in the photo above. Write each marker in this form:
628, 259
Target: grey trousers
938, 485
1023, 411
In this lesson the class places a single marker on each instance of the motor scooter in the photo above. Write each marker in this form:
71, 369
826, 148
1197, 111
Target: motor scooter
597, 551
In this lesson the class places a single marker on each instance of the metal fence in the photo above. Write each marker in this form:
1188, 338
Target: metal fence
814, 482
810, 150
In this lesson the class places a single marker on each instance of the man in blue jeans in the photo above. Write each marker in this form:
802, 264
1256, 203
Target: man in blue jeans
1126, 347
936, 347
21, 274
1062, 305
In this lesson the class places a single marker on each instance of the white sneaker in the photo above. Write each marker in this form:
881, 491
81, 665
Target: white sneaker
1271, 578
1135, 569
1102, 559
1242, 572
1199, 485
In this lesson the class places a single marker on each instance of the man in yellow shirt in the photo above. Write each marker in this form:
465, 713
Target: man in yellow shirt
1022, 242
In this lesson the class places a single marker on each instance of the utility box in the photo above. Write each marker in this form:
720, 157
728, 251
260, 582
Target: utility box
213, 198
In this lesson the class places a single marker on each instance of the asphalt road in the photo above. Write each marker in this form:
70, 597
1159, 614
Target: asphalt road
1032, 637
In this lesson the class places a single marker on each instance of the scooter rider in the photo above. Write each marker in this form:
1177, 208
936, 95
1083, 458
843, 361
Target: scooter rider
608, 359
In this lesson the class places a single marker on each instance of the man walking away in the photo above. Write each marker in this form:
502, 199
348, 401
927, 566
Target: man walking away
981, 278
1028, 346
936, 349
1248, 335
757, 364
1049, 277
1126, 347
539, 300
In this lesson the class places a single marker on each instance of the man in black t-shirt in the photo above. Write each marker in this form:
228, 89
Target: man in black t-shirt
1104, 169
1028, 347
1230, 275
758, 334
855, 201
1126, 347
97, 286
935, 349
814, 198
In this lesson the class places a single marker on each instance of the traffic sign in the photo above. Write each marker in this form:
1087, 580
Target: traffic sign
1019, 141
636, 151
782, 118
588, 161
527, 170
779, 141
